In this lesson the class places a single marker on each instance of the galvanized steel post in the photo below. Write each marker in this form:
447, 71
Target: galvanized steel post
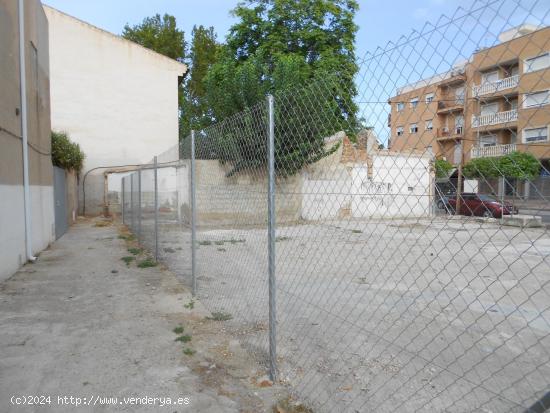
156, 211
139, 206
193, 218
271, 242
122, 201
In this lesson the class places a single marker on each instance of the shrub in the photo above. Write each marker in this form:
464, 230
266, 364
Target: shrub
66, 154
442, 168
518, 165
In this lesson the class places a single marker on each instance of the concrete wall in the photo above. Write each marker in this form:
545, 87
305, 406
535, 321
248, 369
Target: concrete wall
397, 186
118, 100
12, 223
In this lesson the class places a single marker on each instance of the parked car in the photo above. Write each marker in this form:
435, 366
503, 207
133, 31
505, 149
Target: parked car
443, 201
482, 205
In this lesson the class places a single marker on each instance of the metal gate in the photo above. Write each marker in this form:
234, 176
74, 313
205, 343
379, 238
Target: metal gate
60, 201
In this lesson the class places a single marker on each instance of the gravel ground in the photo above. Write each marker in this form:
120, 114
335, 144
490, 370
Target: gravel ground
450, 314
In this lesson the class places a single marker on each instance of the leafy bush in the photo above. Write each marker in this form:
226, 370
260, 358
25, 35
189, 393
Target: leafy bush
518, 165
442, 168
66, 154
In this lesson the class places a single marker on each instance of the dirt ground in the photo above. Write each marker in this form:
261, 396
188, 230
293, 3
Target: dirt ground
81, 322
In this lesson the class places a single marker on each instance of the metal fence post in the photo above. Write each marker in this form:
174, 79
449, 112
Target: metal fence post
156, 211
271, 242
122, 200
139, 206
193, 218
132, 210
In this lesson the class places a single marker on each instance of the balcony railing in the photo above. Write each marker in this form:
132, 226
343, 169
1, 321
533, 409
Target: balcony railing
492, 151
494, 118
493, 87
453, 133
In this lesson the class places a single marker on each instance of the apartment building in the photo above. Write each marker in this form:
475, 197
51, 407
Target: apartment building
495, 103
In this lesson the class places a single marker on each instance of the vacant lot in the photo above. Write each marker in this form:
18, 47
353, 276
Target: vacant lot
445, 314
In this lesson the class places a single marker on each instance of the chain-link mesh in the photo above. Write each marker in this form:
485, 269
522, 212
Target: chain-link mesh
411, 247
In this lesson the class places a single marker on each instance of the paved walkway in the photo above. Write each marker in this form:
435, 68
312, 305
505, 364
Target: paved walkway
81, 323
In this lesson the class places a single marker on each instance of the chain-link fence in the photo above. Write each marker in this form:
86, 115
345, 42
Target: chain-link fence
389, 257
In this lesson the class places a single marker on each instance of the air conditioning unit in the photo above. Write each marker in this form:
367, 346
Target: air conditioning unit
458, 130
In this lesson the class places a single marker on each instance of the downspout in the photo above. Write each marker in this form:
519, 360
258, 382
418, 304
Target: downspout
24, 133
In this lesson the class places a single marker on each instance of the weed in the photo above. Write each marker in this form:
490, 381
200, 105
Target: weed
356, 231
102, 223
219, 242
190, 305
290, 406
128, 260
222, 249
188, 352
168, 249
220, 316
178, 330
135, 251
128, 237
147, 263
184, 338
282, 238
234, 241
205, 242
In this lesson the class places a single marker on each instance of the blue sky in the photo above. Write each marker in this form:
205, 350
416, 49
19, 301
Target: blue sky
379, 21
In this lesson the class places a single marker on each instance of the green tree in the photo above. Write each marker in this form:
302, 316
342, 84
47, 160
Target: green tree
160, 34
278, 47
202, 54
442, 168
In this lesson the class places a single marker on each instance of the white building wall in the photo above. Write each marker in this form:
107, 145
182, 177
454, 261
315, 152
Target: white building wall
12, 222
399, 187
116, 99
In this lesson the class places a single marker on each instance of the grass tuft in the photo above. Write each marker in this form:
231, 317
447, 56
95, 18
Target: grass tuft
220, 316
147, 263
128, 260
188, 352
178, 330
186, 338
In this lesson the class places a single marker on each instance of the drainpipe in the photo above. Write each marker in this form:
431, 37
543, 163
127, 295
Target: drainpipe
24, 133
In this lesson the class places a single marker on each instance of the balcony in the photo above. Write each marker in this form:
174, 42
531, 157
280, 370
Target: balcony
494, 118
492, 151
488, 88
445, 134
450, 105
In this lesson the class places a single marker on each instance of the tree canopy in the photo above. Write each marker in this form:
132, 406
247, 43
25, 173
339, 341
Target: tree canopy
304, 46
160, 34
196, 113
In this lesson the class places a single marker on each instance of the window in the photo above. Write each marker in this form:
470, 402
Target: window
489, 77
414, 102
400, 106
399, 130
459, 95
535, 135
430, 98
429, 124
536, 99
413, 128
459, 124
487, 140
537, 63
489, 109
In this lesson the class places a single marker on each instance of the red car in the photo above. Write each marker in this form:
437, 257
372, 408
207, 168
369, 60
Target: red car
482, 205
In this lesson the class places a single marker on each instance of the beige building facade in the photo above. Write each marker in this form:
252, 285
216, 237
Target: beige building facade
495, 103
13, 241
